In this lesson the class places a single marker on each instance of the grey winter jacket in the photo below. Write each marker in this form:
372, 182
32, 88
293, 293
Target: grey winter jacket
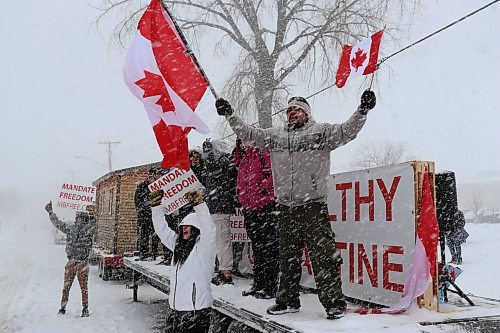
300, 158
79, 238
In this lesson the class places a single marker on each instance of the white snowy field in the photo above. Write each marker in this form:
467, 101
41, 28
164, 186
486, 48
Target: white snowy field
32, 271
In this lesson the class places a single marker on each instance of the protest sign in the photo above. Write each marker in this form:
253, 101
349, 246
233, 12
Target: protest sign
76, 197
372, 213
175, 184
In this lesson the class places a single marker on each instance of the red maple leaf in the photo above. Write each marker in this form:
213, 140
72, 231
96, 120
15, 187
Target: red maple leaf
153, 85
359, 59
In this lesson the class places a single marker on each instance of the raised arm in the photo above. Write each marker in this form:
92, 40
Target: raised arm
255, 136
60, 225
336, 135
167, 235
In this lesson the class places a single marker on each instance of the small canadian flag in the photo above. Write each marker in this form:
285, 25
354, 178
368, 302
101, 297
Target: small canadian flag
359, 59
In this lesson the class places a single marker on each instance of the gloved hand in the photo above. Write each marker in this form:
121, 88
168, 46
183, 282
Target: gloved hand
155, 198
194, 197
90, 209
223, 107
48, 207
368, 101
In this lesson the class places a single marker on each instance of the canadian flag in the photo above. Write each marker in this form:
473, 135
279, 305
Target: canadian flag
359, 59
160, 72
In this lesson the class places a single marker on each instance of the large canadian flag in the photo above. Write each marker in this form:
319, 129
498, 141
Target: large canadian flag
164, 77
359, 59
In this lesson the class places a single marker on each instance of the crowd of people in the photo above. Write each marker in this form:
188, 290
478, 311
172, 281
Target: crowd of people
279, 179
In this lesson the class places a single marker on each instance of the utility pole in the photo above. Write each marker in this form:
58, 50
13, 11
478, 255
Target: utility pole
108, 149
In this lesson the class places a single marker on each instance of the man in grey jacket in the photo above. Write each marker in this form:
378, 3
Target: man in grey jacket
78, 247
300, 163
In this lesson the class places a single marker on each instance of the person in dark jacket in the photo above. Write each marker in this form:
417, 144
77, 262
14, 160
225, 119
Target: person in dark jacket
300, 162
144, 220
220, 184
198, 165
256, 194
78, 246
455, 238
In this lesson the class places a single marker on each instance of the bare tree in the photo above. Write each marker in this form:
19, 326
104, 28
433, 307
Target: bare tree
373, 154
476, 202
278, 40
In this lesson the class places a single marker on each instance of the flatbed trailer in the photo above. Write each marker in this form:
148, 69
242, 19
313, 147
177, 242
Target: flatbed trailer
456, 316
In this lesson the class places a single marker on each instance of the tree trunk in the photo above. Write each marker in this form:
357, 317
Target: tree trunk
264, 93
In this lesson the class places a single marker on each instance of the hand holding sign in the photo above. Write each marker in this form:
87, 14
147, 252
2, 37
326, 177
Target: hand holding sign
155, 198
194, 197
48, 207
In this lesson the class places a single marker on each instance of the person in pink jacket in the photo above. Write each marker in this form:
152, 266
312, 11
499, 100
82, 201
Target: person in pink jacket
255, 192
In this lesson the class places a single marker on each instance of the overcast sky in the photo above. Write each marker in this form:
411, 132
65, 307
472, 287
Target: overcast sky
62, 92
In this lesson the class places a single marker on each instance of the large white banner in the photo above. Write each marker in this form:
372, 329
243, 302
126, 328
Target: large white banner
372, 213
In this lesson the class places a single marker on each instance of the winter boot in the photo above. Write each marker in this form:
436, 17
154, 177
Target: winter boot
251, 292
62, 310
262, 294
278, 309
85, 312
334, 313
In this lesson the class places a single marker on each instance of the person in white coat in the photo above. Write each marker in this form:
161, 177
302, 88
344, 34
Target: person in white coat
190, 298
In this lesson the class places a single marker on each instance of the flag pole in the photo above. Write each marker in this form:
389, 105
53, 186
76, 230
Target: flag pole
189, 51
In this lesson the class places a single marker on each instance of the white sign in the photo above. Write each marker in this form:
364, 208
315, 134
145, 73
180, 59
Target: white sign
238, 229
76, 197
175, 185
373, 216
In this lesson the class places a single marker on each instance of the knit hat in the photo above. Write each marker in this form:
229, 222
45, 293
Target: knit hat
301, 103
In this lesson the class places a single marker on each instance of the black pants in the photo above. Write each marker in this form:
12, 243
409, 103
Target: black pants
145, 230
188, 321
308, 224
261, 227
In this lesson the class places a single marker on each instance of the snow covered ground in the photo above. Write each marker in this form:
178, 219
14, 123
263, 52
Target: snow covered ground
32, 270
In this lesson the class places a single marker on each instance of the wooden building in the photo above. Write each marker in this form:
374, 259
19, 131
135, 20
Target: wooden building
116, 216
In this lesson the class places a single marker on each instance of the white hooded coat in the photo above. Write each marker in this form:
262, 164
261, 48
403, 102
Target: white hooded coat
190, 282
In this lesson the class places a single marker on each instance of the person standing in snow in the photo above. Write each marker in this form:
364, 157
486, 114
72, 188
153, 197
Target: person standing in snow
256, 194
300, 161
455, 238
190, 298
220, 183
78, 246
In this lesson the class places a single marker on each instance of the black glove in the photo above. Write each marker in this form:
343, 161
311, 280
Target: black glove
223, 107
368, 101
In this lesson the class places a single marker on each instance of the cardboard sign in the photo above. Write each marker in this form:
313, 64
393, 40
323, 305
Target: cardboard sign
238, 230
372, 213
175, 184
76, 197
